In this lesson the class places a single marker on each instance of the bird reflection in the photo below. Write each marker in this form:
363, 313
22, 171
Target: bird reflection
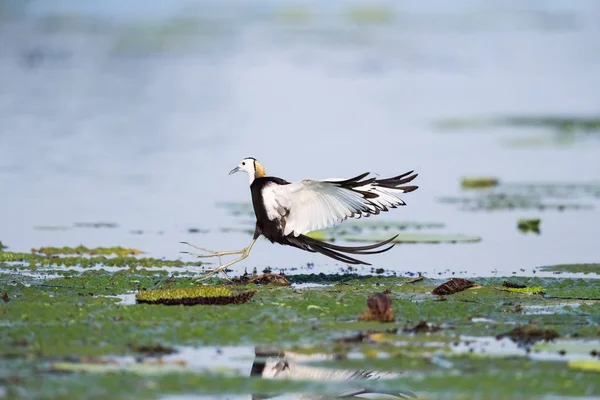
274, 364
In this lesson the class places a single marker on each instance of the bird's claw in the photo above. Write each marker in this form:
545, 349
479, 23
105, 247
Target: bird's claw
211, 253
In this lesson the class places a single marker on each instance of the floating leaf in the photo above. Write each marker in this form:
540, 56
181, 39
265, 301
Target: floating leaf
371, 14
454, 285
265, 279
587, 124
573, 268
422, 327
120, 251
585, 365
324, 234
95, 225
383, 224
139, 368
529, 334
504, 201
528, 290
153, 350
513, 285
529, 225
207, 295
479, 182
51, 228
406, 238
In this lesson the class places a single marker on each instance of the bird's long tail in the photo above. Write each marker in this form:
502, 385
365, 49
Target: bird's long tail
336, 252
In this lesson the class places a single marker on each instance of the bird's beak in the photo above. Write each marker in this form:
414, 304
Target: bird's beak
233, 171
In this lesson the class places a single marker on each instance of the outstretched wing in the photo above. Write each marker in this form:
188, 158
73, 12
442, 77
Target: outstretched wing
310, 205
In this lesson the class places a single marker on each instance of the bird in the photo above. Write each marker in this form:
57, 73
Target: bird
286, 211
280, 364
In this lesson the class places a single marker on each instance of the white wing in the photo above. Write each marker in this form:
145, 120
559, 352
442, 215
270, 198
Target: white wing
310, 205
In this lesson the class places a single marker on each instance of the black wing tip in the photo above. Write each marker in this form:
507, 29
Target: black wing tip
339, 253
396, 181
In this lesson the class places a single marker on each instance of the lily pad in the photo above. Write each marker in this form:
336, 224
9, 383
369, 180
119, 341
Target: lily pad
529, 225
479, 182
103, 367
586, 124
51, 228
95, 225
120, 251
406, 238
207, 295
526, 196
371, 14
573, 268
383, 224
585, 365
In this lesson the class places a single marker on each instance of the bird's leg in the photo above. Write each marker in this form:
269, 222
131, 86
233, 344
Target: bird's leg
210, 252
222, 267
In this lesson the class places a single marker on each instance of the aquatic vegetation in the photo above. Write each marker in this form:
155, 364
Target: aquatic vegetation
58, 328
454, 285
84, 257
562, 124
264, 279
365, 230
206, 295
529, 225
529, 290
479, 182
96, 225
573, 268
415, 238
553, 130
371, 14
385, 225
585, 365
527, 196
529, 334
117, 250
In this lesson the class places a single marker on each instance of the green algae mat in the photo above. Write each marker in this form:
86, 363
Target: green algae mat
72, 326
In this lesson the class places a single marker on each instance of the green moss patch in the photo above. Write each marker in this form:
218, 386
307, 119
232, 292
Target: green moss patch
207, 295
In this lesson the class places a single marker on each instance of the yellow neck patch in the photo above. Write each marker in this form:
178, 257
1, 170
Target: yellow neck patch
259, 170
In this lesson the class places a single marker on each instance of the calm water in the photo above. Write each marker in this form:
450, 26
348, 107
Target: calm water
110, 113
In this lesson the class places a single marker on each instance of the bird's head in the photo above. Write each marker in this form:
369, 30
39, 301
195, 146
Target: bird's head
252, 167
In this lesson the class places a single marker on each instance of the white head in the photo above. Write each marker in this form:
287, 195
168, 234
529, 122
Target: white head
252, 167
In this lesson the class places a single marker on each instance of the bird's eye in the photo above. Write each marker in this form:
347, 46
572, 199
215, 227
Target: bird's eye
243, 163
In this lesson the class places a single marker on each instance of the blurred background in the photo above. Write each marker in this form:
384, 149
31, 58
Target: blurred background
119, 121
